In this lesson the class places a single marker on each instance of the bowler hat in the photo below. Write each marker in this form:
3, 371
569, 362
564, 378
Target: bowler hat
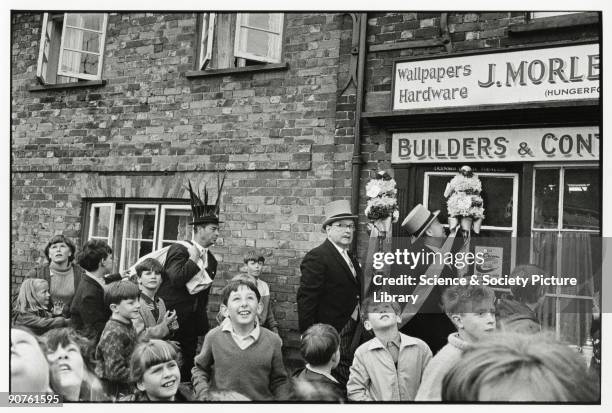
418, 220
337, 210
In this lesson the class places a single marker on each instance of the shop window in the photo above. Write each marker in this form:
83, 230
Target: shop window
136, 228
230, 40
71, 47
498, 230
565, 242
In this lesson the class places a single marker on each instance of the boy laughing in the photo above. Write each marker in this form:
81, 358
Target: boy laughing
246, 357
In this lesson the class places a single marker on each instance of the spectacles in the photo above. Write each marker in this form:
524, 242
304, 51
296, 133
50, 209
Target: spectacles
350, 227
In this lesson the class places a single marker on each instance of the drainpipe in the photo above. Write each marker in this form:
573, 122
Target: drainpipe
357, 160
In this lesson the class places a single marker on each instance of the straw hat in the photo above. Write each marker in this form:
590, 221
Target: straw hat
418, 220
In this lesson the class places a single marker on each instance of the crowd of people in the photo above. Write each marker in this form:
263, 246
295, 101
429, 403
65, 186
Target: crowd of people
90, 335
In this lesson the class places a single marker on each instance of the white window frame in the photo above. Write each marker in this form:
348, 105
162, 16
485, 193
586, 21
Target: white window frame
560, 168
544, 14
240, 49
162, 222
44, 41
126, 218
206, 39
111, 219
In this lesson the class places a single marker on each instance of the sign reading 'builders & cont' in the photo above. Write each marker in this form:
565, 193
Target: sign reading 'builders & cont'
536, 75
502, 145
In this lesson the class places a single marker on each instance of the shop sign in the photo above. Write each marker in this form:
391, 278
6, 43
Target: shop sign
498, 145
535, 75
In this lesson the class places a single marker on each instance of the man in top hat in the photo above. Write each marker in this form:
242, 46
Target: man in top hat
430, 324
187, 276
330, 285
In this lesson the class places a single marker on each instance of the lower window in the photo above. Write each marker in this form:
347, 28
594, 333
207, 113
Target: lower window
137, 227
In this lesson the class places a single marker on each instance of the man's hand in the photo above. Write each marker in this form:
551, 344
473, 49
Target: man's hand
171, 320
194, 253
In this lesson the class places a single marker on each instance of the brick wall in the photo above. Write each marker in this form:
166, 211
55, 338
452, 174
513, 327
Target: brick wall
277, 132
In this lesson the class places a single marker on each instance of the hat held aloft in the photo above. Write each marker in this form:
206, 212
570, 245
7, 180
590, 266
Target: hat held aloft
464, 201
202, 213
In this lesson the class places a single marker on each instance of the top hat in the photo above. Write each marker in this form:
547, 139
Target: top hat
337, 210
418, 220
202, 213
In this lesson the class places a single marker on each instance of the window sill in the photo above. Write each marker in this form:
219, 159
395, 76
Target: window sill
237, 70
556, 22
61, 86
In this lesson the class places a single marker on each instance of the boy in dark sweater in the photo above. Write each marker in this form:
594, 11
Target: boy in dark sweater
118, 338
246, 357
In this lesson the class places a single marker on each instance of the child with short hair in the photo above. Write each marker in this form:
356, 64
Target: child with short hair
246, 357
155, 372
388, 367
30, 307
515, 367
320, 348
254, 264
153, 320
471, 308
118, 338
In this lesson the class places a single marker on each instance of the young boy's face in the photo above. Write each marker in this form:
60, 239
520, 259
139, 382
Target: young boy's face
242, 306
381, 316
150, 280
254, 268
478, 323
161, 381
126, 308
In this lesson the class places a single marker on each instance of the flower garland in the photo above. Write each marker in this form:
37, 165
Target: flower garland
463, 193
381, 192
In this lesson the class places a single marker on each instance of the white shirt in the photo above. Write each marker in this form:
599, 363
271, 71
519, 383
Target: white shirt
203, 260
344, 253
242, 342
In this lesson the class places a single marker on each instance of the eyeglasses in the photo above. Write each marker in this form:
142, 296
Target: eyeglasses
350, 227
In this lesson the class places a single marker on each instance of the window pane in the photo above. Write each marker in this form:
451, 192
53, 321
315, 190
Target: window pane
574, 318
82, 40
544, 250
100, 221
267, 21
546, 198
92, 21
435, 198
258, 43
581, 199
76, 62
139, 233
539, 14
176, 225
497, 200
581, 259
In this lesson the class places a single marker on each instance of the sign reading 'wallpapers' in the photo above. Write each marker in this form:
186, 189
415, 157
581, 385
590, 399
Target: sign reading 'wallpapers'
536, 75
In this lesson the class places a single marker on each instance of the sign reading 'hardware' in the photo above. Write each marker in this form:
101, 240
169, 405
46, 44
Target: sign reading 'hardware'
537, 75
498, 145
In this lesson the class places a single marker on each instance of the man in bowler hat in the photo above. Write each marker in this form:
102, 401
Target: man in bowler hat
188, 274
330, 285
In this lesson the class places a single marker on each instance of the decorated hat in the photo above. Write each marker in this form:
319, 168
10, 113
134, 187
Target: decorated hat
418, 220
337, 210
201, 212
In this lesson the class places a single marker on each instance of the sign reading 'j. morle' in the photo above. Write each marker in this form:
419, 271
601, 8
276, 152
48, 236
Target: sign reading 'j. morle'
502, 145
536, 75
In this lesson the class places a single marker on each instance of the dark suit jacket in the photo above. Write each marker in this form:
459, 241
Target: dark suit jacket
178, 270
431, 324
328, 292
88, 312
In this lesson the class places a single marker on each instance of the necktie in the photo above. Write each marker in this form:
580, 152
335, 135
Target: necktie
349, 262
